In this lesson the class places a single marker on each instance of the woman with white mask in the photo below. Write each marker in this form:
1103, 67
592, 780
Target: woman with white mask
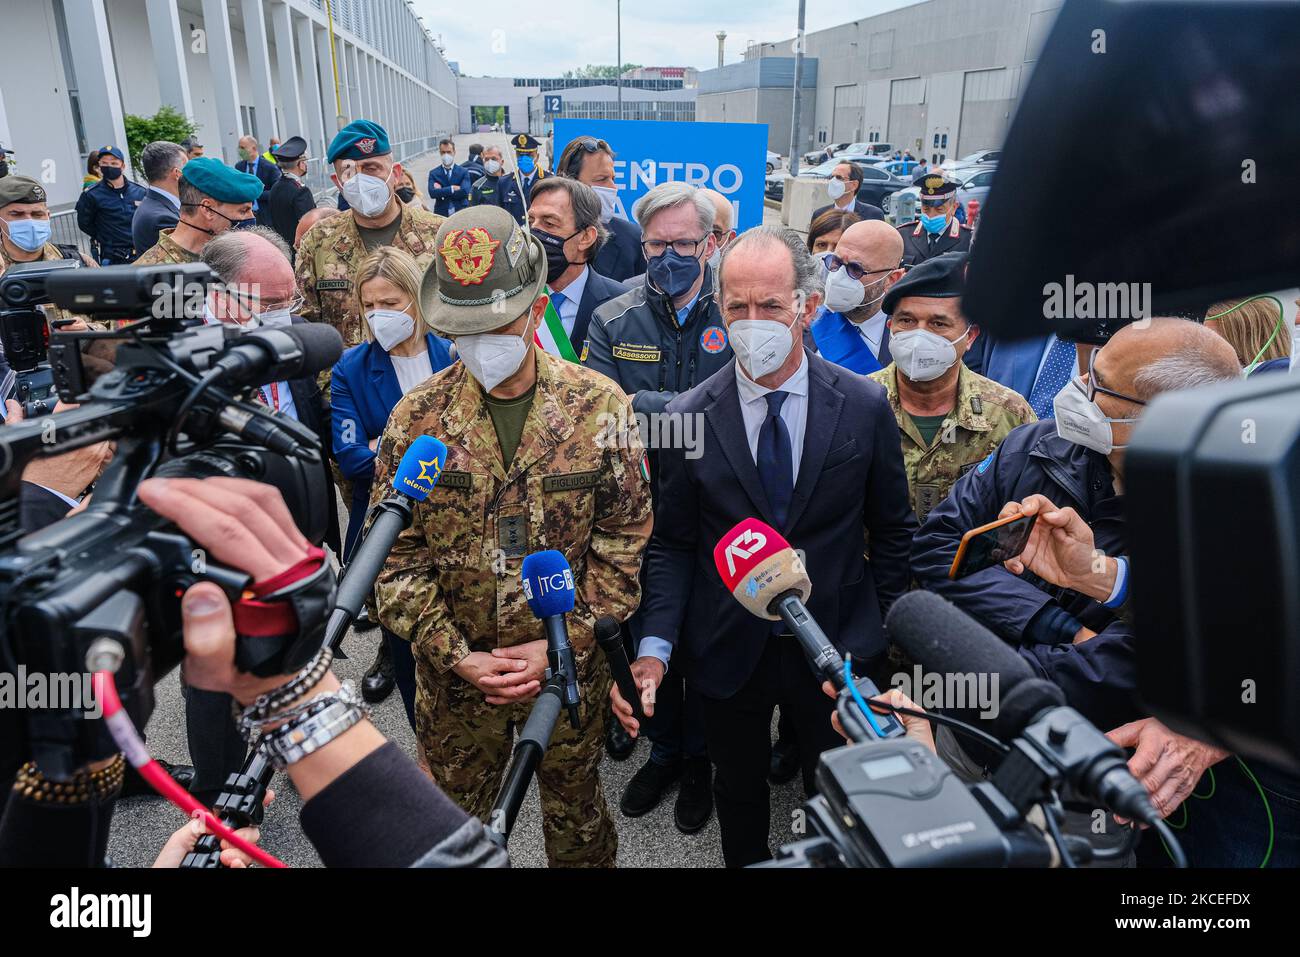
367, 382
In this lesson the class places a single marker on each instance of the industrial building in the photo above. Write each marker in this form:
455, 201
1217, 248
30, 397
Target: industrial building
485, 100
941, 78
260, 67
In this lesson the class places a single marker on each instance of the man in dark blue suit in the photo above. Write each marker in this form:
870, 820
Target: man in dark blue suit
846, 180
850, 329
591, 161
1038, 368
449, 182
252, 161
161, 207
813, 450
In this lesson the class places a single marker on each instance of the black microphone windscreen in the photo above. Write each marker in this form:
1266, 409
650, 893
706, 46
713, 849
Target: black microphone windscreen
943, 638
1021, 704
321, 345
607, 627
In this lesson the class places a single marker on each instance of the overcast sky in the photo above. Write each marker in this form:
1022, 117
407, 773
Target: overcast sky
545, 39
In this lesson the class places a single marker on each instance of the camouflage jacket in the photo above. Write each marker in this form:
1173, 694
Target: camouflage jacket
166, 250
981, 418
451, 583
328, 259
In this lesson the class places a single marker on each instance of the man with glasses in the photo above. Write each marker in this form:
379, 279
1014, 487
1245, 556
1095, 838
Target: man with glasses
845, 181
591, 161
937, 230
1073, 630
657, 341
850, 329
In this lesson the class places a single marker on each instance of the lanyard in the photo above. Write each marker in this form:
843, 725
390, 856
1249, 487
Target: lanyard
275, 395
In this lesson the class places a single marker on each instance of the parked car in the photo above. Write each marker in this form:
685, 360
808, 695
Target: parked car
773, 161
823, 153
979, 158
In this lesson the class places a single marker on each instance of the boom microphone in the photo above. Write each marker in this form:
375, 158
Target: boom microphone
416, 475
273, 354
548, 588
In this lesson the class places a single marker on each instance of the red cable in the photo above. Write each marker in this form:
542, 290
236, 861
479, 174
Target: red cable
128, 739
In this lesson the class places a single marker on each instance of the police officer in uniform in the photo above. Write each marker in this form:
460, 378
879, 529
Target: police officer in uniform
105, 211
527, 469
332, 250
289, 200
949, 417
526, 159
937, 231
497, 187
214, 198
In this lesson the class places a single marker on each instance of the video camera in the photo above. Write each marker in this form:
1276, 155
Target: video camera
24, 333
101, 589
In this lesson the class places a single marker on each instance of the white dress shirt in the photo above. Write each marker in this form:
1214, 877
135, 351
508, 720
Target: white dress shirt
873, 330
572, 293
794, 411
411, 370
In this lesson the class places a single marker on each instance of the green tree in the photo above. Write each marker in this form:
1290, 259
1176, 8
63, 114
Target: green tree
599, 71
167, 124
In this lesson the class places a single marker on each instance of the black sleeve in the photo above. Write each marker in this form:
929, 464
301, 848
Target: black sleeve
382, 812
46, 835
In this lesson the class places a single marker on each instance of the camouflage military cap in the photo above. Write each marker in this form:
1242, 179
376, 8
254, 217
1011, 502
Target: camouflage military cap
486, 272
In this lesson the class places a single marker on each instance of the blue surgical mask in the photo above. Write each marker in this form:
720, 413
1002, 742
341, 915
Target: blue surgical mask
29, 234
672, 273
934, 224
526, 165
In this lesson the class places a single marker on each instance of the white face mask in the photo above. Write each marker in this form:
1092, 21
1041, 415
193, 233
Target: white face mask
835, 189
275, 317
922, 355
492, 167
1082, 422
448, 159
391, 327
761, 345
608, 202
491, 359
368, 195
843, 292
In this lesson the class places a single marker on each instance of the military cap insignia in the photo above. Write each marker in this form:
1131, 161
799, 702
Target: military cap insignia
366, 145
39, 193
521, 139
468, 254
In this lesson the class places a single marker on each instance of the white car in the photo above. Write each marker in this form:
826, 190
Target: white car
773, 161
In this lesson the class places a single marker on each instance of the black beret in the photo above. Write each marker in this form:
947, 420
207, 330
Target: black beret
939, 277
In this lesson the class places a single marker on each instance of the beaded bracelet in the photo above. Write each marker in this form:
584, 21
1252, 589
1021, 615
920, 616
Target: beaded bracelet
31, 785
272, 701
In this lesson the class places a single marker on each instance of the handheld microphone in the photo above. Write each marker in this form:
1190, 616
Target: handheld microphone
765, 575
416, 475
946, 639
609, 635
548, 588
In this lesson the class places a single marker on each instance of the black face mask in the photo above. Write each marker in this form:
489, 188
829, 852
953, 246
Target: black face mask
4, 168
111, 173
406, 194
556, 260
234, 223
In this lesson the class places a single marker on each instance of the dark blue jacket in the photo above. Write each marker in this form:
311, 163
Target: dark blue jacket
441, 179
152, 216
839, 341
1010, 362
1098, 676
500, 191
865, 210
621, 257
105, 214
268, 172
851, 485
599, 290
363, 392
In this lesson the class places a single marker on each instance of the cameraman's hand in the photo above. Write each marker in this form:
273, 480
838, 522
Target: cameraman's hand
186, 837
917, 729
647, 675
70, 473
1061, 549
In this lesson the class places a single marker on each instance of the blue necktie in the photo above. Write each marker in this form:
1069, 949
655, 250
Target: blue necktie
1056, 372
557, 300
775, 461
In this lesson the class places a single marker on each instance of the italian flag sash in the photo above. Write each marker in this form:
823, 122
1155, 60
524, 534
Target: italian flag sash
550, 334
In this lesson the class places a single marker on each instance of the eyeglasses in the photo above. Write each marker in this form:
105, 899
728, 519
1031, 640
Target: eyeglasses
293, 305
855, 270
720, 234
653, 248
1091, 388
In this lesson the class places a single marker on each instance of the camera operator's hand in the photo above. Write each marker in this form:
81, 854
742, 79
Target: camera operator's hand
1169, 765
71, 473
1061, 549
186, 837
647, 674
918, 729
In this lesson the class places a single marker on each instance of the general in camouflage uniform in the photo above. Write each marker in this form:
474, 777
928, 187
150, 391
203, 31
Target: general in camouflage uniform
982, 416
924, 309
332, 250
214, 198
451, 584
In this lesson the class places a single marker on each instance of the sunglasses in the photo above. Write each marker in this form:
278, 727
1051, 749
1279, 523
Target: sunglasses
855, 270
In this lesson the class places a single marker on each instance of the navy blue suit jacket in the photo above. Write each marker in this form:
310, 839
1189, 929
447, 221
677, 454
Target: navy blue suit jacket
441, 180
621, 257
152, 216
599, 289
363, 391
1013, 363
865, 210
851, 484
839, 341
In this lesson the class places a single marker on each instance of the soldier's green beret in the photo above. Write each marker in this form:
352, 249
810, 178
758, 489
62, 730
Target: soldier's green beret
360, 139
223, 183
939, 277
20, 189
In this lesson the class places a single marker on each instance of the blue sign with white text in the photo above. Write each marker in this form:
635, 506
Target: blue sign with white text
728, 157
